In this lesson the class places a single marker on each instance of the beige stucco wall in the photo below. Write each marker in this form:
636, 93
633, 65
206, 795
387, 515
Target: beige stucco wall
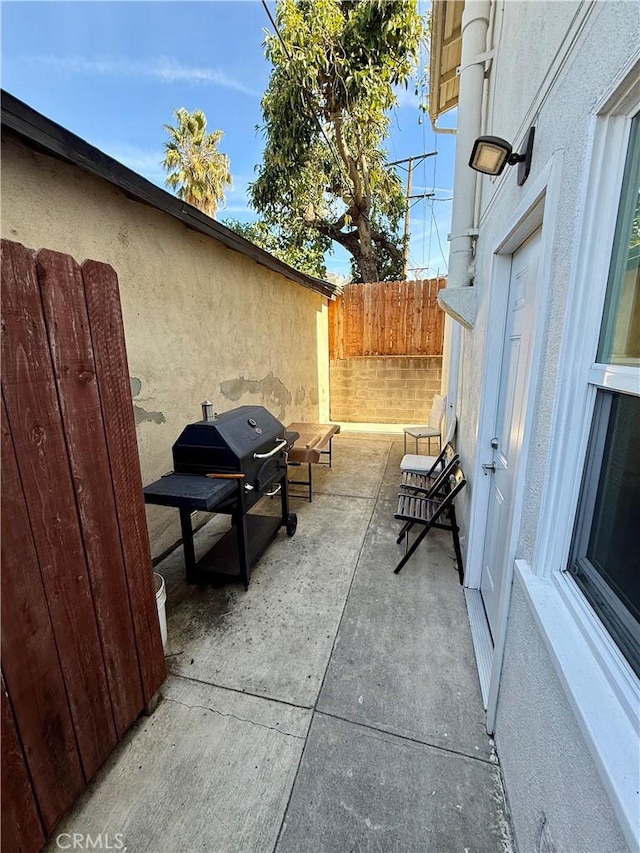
201, 321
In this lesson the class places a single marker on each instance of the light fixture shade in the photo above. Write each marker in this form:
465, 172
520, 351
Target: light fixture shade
490, 155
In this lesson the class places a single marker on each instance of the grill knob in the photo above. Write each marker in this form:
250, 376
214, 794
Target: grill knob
252, 422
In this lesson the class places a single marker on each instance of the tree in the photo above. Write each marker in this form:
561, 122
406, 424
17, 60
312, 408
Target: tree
308, 256
198, 172
335, 66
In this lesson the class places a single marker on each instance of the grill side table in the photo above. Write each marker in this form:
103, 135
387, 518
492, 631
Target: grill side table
189, 492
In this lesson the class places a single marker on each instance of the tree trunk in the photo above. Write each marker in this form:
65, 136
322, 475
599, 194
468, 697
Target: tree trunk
366, 259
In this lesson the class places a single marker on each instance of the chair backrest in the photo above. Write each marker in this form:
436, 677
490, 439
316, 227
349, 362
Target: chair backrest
442, 460
441, 483
451, 430
437, 411
456, 481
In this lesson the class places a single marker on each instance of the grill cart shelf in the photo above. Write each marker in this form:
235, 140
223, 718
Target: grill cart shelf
240, 548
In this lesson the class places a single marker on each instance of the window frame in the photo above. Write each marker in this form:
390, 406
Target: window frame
580, 376
612, 612
627, 205
600, 684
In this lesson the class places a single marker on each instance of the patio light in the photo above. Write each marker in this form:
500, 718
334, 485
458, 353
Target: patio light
490, 154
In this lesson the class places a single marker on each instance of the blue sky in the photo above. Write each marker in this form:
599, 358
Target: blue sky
113, 72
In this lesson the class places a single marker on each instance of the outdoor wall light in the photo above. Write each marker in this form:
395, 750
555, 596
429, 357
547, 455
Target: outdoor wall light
490, 154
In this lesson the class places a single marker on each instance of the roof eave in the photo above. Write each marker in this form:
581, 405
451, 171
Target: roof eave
56, 141
445, 53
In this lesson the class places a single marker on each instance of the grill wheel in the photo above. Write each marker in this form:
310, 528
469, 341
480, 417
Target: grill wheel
292, 523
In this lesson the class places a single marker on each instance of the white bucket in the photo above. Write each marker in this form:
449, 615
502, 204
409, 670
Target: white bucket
161, 599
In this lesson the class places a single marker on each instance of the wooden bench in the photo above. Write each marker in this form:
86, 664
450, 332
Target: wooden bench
430, 507
315, 441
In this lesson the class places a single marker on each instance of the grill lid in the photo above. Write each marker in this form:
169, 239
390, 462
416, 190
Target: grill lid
227, 444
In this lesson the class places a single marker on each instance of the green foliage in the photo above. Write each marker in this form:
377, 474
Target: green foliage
307, 255
325, 121
198, 172
635, 225
423, 83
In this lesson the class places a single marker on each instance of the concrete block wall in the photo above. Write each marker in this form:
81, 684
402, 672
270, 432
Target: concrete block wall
384, 389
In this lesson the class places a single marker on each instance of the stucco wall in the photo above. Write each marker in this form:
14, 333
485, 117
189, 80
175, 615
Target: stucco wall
384, 389
545, 762
553, 787
563, 121
201, 321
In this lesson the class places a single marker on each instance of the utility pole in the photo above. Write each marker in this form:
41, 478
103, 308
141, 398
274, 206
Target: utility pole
405, 245
410, 161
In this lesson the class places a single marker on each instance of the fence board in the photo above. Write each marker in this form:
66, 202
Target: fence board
421, 296
396, 334
107, 334
383, 328
30, 657
387, 318
336, 328
65, 310
21, 827
34, 419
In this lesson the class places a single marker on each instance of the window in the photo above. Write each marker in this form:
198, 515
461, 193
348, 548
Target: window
620, 333
605, 551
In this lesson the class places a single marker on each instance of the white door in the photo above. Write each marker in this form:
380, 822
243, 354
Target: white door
504, 452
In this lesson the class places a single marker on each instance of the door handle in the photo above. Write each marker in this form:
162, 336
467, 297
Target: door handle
489, 468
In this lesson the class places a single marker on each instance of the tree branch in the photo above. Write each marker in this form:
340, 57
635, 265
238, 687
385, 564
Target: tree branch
350, 240
382, 240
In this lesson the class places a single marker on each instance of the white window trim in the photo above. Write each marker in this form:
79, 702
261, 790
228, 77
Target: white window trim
599, 683
615, 378
579, 377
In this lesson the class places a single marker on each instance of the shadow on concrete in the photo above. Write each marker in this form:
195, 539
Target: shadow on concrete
332, 707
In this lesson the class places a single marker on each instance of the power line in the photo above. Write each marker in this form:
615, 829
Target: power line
435, 222
416, 159
407, 210
424, 178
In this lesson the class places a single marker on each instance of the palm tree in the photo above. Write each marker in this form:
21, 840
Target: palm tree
198, 172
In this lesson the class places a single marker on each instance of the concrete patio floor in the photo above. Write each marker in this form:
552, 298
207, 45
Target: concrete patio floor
334, 707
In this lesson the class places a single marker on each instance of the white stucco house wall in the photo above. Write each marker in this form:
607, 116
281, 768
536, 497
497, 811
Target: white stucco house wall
544, 319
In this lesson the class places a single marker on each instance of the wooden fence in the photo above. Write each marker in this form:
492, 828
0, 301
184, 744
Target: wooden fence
387, 318
81, 649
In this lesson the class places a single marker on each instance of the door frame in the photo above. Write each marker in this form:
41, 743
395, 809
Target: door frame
538, 208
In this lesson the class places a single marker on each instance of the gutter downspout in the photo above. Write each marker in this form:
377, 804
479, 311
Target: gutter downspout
436, 129
459, 299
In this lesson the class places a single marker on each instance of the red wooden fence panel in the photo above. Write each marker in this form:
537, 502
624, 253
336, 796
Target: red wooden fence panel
21, 828
30, 658
36, 428
387, 318
107, 334
62, 290
81, 647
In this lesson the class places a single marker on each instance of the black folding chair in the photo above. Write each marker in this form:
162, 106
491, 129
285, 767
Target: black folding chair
428, 486
429, 508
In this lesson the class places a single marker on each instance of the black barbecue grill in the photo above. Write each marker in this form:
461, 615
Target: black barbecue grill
248, 447
248, 440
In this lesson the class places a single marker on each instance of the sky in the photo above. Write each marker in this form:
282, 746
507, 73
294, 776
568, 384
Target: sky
114, 72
